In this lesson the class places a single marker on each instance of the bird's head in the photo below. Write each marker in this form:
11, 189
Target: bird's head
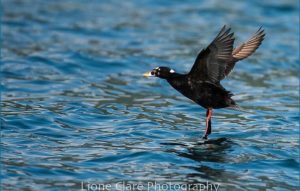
161, 72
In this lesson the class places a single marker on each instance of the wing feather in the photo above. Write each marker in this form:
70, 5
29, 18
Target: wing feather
249, 47
210, 64
245, 49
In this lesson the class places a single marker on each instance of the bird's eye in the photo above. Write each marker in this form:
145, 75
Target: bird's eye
152, 73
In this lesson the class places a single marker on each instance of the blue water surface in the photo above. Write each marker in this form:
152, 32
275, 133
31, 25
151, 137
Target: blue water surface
75, 107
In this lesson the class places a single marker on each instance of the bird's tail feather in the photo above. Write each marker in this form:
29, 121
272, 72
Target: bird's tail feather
238, 108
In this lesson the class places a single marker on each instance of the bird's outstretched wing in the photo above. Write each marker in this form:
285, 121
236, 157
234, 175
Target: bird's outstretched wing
245, 49
210, 64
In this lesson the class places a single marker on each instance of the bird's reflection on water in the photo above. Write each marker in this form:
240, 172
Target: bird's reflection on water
211, 150
206, 152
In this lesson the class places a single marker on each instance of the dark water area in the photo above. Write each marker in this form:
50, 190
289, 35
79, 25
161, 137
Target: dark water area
75, 107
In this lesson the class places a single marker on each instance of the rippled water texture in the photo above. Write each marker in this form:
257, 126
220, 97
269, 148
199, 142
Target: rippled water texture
75, 106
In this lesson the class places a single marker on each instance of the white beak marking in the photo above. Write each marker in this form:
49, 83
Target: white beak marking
148, 74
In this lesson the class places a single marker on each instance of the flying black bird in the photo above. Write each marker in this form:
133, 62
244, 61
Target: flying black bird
213, 64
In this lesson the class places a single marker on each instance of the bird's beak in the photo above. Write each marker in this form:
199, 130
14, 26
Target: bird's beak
148, 74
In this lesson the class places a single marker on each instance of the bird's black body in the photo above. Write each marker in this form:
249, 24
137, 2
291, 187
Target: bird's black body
213, 64
206, 94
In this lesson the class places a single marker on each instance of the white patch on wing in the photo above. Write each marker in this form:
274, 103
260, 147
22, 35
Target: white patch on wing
172, 71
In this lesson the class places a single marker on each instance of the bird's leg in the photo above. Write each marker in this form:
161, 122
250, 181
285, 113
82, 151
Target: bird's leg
208, 123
